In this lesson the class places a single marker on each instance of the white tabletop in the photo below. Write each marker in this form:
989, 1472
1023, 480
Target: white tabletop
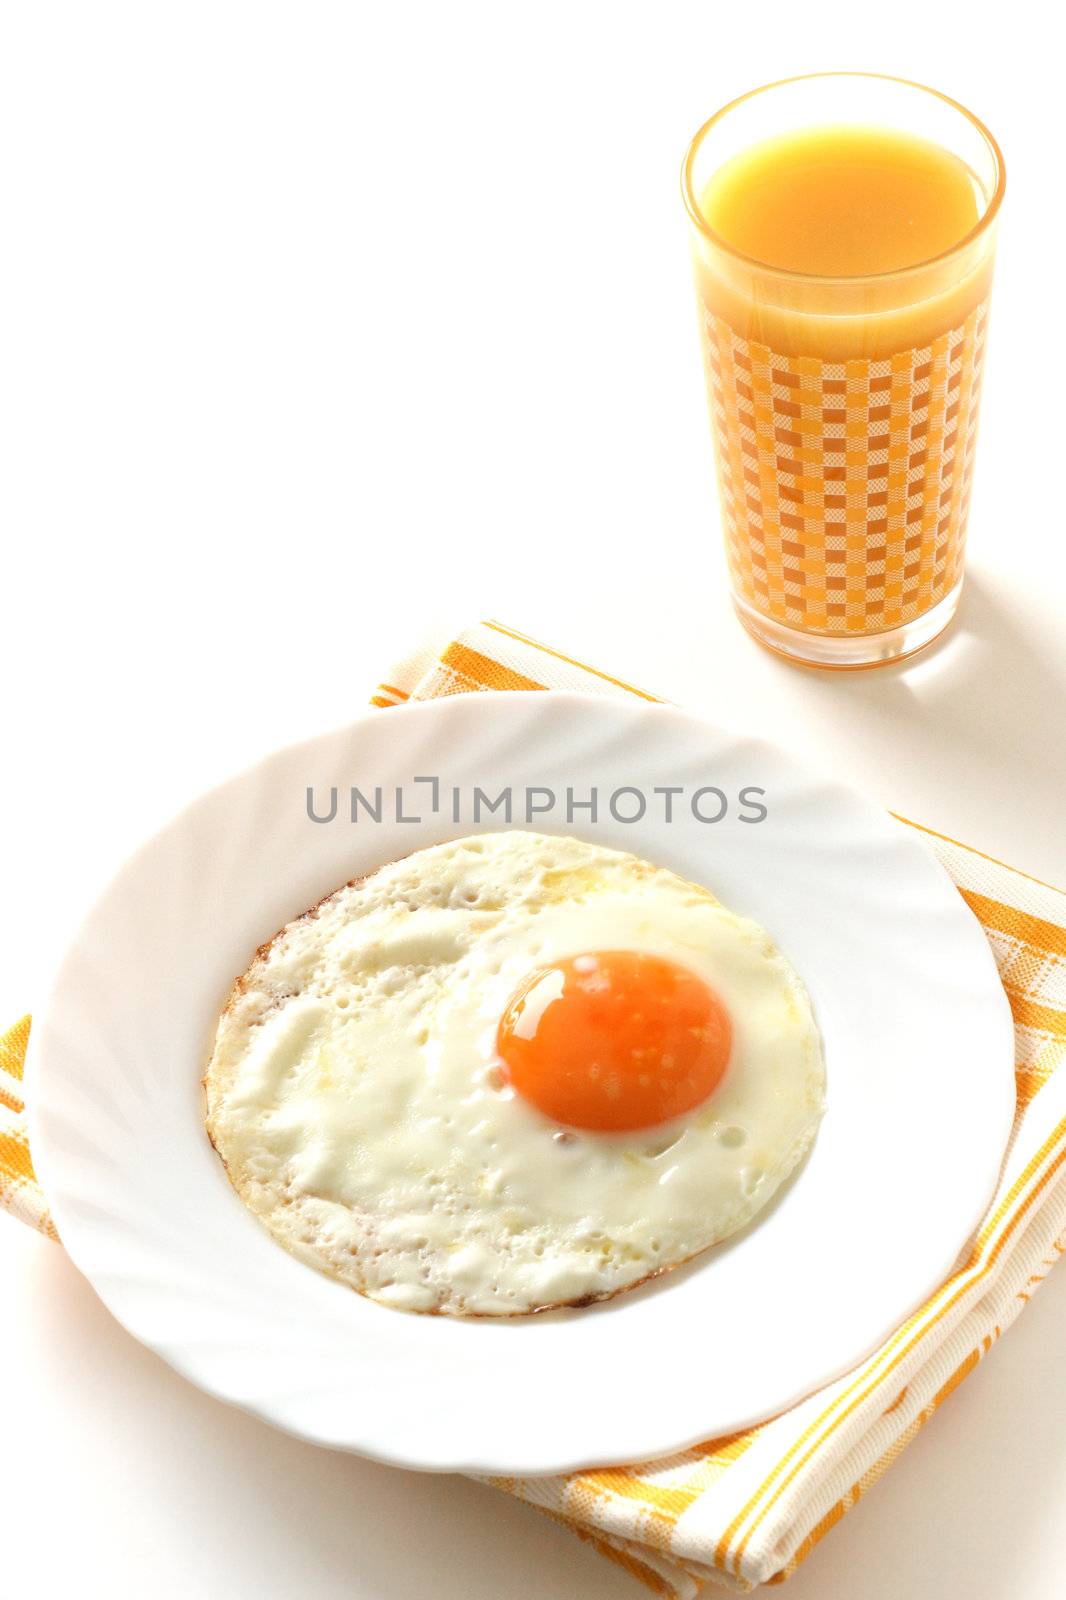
331, 324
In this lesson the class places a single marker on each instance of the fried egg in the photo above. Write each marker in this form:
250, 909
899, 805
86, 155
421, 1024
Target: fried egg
512, 1072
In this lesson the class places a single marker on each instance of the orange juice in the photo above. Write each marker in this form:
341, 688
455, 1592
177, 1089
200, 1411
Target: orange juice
843, 267
842, 202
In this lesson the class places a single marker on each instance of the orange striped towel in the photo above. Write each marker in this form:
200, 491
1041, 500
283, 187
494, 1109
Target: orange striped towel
747, 1509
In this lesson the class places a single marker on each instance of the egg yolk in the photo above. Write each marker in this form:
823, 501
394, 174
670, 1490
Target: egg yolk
614, 1041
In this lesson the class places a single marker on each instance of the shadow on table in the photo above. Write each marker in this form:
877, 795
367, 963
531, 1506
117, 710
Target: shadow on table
987, 701
257, 1512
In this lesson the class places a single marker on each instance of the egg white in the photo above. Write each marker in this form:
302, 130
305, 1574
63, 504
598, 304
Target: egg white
355, 1095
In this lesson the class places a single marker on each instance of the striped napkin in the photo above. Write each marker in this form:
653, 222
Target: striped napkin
747, 1509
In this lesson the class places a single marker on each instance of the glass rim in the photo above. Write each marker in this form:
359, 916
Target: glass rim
699, 221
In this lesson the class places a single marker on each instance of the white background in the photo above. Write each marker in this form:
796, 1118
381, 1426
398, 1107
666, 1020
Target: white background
323, 325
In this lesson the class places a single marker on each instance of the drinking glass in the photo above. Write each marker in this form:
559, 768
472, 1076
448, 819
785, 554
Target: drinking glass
844, 409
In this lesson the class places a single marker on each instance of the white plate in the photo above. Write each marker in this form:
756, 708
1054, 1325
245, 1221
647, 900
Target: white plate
918, 1045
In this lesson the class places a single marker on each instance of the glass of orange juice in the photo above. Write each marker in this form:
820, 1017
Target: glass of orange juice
843, 232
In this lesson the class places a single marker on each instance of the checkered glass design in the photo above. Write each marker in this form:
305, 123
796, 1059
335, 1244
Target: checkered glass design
845, 485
